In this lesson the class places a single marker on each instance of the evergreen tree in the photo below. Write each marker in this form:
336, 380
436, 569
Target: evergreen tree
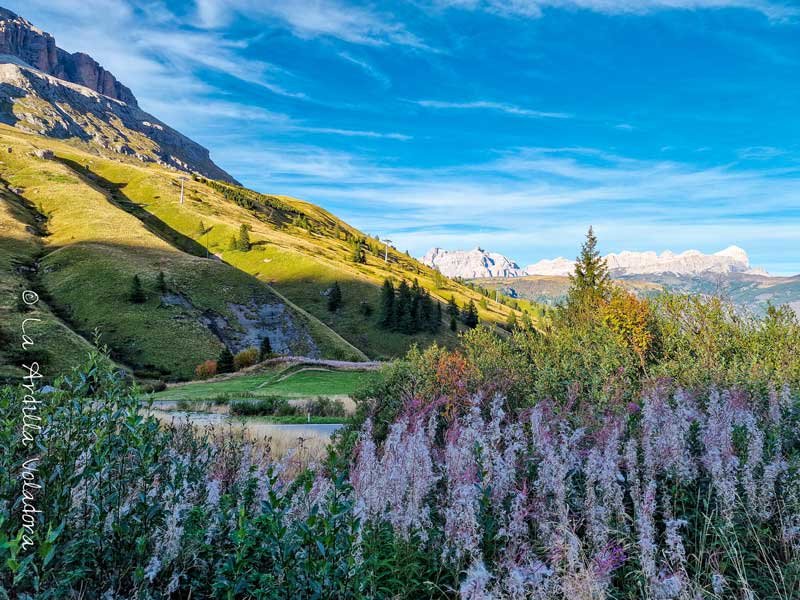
453, 323
334, 297
439, 280
388, 315
471, 315
511, 321
357, 253
483, 304
452, 307
201, 228
404, 308
527, 325
243, 243
437, 318
137, 295
233, 244
225, 361
590, 282
266, 348
161, 282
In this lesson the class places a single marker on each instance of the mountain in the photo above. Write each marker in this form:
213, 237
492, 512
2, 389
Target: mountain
691, 262
46, 90
471, 264
82, 218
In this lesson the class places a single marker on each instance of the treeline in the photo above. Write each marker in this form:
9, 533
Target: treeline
408, 309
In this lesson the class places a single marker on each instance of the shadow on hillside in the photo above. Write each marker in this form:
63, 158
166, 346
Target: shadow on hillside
151, 222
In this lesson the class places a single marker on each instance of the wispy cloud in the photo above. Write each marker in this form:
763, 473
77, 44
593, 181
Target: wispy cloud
313, 18
493, 106
535, 8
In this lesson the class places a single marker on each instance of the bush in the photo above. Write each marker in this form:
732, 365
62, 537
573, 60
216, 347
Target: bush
206, 369
246, 358
266, 406
322, 406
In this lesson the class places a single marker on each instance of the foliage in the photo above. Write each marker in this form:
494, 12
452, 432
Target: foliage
246, 358
590, 282
243, 241
334, 297
470, 315
225, 360
206, 369
137, 294
411, 310
265, 351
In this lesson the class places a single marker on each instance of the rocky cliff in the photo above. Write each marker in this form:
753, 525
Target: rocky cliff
691, 262
471, 264
37, 48
48, 91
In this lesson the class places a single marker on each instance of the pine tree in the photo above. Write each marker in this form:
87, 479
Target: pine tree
137, 295
437, 318
201, 228
334, 297
225, 361
243, 243
471, 315
403, 306
161, 282
511, 321
266, 348
233, 244
439, 280
357, 253
452, 307
387, 318
590, 282
453, 323
527, 325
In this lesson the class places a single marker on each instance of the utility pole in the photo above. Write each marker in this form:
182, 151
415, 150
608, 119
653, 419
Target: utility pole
182, 180
386, 251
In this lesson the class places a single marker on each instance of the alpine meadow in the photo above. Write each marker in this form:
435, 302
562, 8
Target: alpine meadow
311, 369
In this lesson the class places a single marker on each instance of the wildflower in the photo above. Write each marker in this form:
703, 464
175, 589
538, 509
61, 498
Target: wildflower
474, 586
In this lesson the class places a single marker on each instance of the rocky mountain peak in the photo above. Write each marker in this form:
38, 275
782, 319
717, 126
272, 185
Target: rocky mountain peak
37, 48
471, 264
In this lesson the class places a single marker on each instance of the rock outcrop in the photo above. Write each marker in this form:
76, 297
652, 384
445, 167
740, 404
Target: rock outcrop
37, 48
471, 264
47, 91
691, 262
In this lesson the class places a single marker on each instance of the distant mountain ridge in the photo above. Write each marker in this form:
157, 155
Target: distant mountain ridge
48, 91
478, 263
471, 264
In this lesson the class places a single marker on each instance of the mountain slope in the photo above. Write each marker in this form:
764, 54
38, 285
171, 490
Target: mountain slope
48, 91
95, 246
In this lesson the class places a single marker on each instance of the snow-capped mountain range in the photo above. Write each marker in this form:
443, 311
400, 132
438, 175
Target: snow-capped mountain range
475, 263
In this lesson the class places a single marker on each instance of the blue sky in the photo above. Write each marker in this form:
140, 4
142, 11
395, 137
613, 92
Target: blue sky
512, 125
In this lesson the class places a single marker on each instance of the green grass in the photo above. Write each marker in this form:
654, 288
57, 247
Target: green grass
300, 420
295, 383
94, 248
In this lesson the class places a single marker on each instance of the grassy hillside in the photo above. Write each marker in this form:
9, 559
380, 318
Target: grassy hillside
109, 219
93, 248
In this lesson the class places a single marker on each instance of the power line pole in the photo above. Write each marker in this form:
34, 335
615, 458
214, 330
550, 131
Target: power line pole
182, 180
386, 251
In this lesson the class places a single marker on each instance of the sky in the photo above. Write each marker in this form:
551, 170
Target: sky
511, 125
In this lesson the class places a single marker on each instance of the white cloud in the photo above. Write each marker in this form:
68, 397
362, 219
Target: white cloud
312, 18
493, 106
776, 9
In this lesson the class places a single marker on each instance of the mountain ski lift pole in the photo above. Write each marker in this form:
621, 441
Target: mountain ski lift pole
182, 179
386, 251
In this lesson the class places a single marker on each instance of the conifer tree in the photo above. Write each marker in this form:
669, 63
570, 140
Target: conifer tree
201, 228
453, 323
452, 307
471, 315
590, 282
225, 361
161, 282
388, 315
403, 307
335, 297
357, 253
437, 319
511, 321
243, 243
137, 295
266, 348
233, 244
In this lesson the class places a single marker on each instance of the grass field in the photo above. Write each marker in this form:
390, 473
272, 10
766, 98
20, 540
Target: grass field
292, 383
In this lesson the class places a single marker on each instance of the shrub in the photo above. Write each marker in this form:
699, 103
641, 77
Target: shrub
265, 351
246, 358
265, 406
225, 361
206, 369
334, 297
322, 406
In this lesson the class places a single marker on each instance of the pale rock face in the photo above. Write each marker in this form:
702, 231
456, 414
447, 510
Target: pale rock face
558, 266
471, 264
38, 49
691, 262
